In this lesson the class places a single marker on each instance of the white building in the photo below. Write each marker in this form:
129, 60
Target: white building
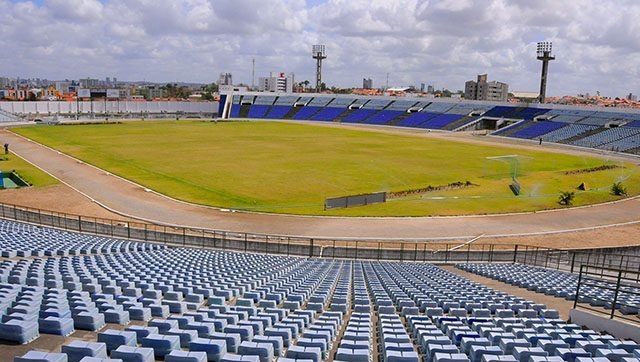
276, 82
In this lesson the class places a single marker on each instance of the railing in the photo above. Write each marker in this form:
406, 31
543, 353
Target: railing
424, 250
609, 291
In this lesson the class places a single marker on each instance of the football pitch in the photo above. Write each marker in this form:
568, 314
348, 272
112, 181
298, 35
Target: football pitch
284, 167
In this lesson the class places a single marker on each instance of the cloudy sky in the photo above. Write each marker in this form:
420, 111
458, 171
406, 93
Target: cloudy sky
438, 42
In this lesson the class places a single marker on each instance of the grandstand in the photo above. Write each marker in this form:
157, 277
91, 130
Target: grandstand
145, 301
599, 129
7, 117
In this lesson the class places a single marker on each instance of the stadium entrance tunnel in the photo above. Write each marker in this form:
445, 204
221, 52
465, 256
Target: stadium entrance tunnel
11, 180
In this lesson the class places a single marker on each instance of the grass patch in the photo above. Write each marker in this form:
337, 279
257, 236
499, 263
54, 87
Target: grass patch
27, 171
293, 168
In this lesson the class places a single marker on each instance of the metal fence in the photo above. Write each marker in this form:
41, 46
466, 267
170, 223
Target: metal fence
425, 250
610, 291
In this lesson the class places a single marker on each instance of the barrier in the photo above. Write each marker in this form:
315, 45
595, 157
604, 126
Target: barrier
434, 250
355, 200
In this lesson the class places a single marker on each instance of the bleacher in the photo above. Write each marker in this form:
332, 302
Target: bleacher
577, 127
440, 121
603, 139
148, 302
560, 284
635, 123
566, 132
358, 115
384, 117
7, 117
416, 119
538, 128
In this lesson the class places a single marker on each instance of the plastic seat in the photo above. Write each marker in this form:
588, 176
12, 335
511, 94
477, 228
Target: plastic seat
239, 358
214, 348
450, 357
76, 350
39, 356
133, 354
232, 340
19, 331
161, 344
114, 338
522, 354
185, 335
477, 352
262, 350
313, 354
55, 325
185, 356
355, 355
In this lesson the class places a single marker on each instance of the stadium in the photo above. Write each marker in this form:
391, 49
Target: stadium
110, 265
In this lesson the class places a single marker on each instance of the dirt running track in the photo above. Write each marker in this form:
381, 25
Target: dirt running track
104, 194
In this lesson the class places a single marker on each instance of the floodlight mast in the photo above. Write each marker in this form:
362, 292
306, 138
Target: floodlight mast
543, 53
318, 54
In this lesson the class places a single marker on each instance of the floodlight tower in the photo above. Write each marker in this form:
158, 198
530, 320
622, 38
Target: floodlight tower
544, 54
318, 55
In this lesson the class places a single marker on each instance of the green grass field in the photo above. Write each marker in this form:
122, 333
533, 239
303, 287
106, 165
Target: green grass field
292, 168
27, 171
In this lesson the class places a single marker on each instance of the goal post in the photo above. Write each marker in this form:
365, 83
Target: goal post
509, 162
507, 165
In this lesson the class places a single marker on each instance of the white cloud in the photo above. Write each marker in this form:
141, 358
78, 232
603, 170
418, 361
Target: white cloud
439, 42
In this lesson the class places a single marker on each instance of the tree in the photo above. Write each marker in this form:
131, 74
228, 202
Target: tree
566, 198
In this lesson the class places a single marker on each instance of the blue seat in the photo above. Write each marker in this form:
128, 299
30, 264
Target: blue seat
90, 321
308, 353
19, 331
355, 355
276, 341
76, 350
239, 358
214, 348
39, 356
497, 358
161, 344
56, 325
142, 331
570, 354
450, 357
550, 345
508, 344
185, 356
613, 354
401, 356
133, 354
113, 339
477, 352
231, 339
262, 350
522, 354
431, 349
185, 335
245, 332
163, 325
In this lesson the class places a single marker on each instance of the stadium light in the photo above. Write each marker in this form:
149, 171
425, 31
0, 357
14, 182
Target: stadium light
543, 52
318, 53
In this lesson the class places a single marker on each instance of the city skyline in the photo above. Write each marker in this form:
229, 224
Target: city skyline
443, 43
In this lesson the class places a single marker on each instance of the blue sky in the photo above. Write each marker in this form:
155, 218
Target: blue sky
437, 42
